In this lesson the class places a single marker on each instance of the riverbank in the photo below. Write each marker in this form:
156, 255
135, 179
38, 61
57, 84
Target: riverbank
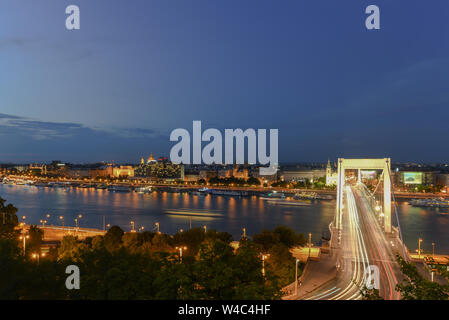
177, 187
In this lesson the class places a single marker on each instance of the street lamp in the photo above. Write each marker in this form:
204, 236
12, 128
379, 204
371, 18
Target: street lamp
310, 242
43, 222
157, 227
244, 233
264, 256
180, 252
419, 247
296, 278
23, 222
141, 228
77, 219
24, 237
132, 226
205, 228
37, 256
433, 249
62, 219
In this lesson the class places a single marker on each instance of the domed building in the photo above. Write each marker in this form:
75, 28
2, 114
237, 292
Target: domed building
151, 159
162, 169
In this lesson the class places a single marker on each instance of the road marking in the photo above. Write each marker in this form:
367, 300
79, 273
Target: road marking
324, 294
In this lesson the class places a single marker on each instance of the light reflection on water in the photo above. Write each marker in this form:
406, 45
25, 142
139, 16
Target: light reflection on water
432, 225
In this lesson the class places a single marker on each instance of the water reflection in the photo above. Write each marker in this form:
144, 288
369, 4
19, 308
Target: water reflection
252, 212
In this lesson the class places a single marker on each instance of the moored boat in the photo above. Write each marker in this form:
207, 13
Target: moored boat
119, 189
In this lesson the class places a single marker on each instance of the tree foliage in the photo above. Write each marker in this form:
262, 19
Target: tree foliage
416, 287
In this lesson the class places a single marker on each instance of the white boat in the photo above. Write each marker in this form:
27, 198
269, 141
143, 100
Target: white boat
118, 189
283, 202
196, 213
228, 193
433, 203
274, 195
142, 190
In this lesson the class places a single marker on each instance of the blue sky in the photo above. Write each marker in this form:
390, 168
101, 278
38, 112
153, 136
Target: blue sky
138, 69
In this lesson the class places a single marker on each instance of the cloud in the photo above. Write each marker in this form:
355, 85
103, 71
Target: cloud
16, 42
44, 130
7, 116
131, 132
37, 130
29, 140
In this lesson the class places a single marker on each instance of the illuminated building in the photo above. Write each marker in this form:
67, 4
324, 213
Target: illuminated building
162, 169
105, 171
41, 168
123, 171
426, 178
151, 159
331, 177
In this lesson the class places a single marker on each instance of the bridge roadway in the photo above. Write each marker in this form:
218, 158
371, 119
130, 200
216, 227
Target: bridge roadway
361, 243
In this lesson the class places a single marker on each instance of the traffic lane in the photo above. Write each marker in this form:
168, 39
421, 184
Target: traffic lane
346, 262
380, 249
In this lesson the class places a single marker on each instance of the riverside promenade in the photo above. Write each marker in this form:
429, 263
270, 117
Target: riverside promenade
56, 233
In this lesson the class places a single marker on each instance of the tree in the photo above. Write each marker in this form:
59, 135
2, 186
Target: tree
212, 234
97, 243
289, 237
161, 243
132, 241
416, 287
71, 249
252, 181
266, 239
8, 220
215, 271
281, 264
191, 238
35, 241
250, 282
113, 238
12, 269
370, 294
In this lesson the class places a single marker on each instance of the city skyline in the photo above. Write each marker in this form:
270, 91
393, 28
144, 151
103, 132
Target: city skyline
120, 85
222, 157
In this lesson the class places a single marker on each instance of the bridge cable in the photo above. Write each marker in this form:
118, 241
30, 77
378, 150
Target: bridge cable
397, 216
378, 184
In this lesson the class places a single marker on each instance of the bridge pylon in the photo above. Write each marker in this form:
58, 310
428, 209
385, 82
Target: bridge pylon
360, 164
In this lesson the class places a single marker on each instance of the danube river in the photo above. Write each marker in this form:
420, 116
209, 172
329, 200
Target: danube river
230, 214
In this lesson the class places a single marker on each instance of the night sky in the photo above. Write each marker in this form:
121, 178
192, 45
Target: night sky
138, 69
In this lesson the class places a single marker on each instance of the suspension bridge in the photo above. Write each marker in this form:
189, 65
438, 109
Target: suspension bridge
364, 241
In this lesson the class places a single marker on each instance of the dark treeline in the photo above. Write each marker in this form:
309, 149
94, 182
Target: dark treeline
147, 265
